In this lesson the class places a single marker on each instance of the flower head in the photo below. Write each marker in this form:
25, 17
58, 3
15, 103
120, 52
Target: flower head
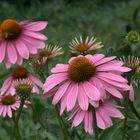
7, 104
40, 59
104, 113
23, 87
131, 62
133, 37
86, 79
20, 39
82, 47
20, 75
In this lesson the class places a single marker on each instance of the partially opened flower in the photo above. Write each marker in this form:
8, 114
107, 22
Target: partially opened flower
83, 46
133, 63
7, 104
23, 87
20, 39
86, 79
18, 74
104, 114
41, 58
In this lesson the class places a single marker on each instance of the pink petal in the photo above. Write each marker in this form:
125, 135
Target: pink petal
3, 46
11, 52
51, 84
112, 76
35, 80
112, 68
6, 85
97, 83
36, 43
1, 109
82, 98
36, 26
90, 123
100, 121
105, 60
131, 93
61, 91
63, 104
72, 96
35, 35
95, 58
9, 111
113, 112
22, 49
50, 93
60, 68
114, 83
91, 91
78, 118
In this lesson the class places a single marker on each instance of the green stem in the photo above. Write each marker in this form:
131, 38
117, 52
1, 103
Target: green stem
60, 123
134, 110
125, 120
41, 123
118, 49
95, 124
18, 137
17, 120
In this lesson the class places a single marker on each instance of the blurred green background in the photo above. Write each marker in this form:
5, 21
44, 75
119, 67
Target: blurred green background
108, 20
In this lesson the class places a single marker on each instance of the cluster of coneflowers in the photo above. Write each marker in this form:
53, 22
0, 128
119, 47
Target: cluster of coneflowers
86, 87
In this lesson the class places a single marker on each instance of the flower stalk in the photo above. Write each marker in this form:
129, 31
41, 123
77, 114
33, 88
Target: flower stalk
95, 124
17, 119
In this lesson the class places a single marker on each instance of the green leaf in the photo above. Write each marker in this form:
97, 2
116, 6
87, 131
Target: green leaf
109, 133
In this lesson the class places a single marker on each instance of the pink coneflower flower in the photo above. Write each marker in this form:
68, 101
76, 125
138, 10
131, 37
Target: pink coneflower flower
80, 46
86, 79
104, 113
7, 104
17, 74
19, 39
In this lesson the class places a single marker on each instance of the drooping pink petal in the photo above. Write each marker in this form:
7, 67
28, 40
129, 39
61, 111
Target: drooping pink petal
11, 52
82, 98
112, 76
9, 111
72, 96
113, 112
6, 85
49, 84
63, 104
91, 91
78, 118
36, 43
50, 93
3, 45
131, 93
35, 80
61, 91
98, 84
114, 83
35, 35
90, 123
22, 49
100, 121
